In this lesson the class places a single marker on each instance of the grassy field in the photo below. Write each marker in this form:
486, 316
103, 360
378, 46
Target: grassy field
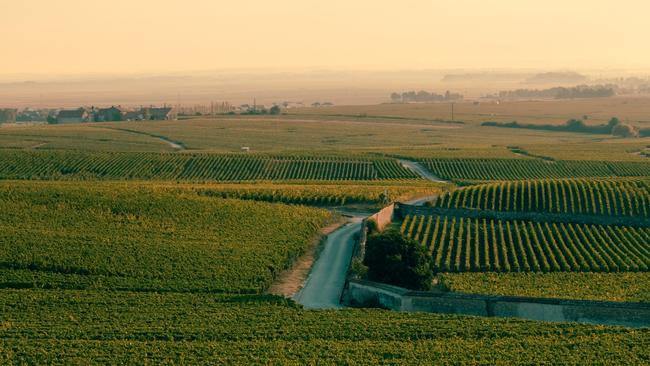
598, 110
290, 134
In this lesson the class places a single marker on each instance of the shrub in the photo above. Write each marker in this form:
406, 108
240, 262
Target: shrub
397, 260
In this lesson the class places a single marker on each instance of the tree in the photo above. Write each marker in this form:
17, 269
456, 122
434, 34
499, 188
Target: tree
396, 97
613, 122
397, 260
275, 110
625, 130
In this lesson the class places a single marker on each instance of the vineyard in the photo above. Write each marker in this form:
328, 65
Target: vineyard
459, 244
520, 169
620, 286
319, 194
619, 197
91, 235
193, 167
98, 327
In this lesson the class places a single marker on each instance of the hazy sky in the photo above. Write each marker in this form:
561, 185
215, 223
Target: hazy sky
124, 36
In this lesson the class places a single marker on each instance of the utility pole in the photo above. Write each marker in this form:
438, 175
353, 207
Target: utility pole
452, 111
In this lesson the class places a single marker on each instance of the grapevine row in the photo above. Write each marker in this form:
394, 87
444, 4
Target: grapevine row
628, 197
459, 244
516, 169
193, 167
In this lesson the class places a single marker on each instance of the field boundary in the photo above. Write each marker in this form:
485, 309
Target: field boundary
405, 209
174, 144
372, 294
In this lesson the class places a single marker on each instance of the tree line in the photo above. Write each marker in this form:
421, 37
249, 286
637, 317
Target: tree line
614, 127
424, 96
580, 91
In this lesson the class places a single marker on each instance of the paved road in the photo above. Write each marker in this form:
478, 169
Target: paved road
323, 287
325, 283
421, 170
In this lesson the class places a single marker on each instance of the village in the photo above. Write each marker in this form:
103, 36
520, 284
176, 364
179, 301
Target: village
151, 113
85, 114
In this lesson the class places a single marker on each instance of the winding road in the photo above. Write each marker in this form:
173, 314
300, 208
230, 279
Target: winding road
325, 283
420, 170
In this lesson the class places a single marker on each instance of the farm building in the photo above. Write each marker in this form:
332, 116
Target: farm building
158, 114
8, 115
109, 114
73, 116
149, 113
134, 115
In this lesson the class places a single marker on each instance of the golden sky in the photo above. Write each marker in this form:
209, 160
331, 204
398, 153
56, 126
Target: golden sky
125, 36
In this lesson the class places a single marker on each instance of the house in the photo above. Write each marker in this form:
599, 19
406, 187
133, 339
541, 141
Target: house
109, 114
158, 114
73, 116
8, 115
134, 116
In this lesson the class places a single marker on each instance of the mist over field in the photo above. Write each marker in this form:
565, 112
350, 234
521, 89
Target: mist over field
336, 182
340, 87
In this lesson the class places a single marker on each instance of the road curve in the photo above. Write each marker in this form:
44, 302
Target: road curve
420, 170
325, 283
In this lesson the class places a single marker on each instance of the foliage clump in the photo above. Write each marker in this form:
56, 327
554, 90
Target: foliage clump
394, 259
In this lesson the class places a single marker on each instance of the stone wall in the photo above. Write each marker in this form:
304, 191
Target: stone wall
366, 293
384, 217
402, 209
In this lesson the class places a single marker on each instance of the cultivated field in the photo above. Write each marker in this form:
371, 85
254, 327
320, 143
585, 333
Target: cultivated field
96, 327
155, 242
598, 110
545, 238
147, 239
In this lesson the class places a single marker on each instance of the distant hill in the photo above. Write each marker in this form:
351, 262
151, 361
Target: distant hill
485, 77
567, 77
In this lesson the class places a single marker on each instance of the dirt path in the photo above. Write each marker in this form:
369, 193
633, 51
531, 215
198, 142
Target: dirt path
40, 144
420, 170
174, 144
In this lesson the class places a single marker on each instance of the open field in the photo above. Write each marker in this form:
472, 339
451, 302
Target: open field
332, 135
96, 327
598, 110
